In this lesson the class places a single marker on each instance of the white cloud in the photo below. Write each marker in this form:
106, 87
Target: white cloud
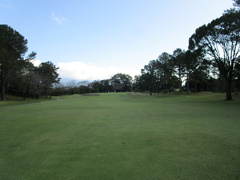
59, 19
82, 71
36, 62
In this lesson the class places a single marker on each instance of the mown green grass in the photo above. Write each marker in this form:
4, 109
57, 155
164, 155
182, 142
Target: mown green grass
119, 136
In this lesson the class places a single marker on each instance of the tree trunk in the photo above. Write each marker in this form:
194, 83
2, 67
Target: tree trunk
180, 86
187, 83
195, 86
180, 80
3, 89
3, 96
150, 90
229, 90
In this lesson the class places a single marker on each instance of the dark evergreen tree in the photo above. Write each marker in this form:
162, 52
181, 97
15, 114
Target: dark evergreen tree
12, 48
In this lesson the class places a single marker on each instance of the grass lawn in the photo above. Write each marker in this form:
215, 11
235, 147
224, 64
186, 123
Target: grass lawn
120, 136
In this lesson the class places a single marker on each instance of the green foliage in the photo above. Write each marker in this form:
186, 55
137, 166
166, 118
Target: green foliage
165, 71
18, 75
48, 76
119, 136
13, 44
237, 3
12, 47
121, 82
220, 40
213, 55
149, 76
179, 64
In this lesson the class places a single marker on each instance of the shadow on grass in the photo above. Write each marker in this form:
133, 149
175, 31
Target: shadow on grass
15, 100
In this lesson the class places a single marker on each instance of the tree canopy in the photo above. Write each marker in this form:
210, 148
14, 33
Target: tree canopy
219, 40
18, 75
12, 47
121, 82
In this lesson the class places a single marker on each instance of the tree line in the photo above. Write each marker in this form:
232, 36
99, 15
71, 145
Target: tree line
211, 63
18, 75
117, 83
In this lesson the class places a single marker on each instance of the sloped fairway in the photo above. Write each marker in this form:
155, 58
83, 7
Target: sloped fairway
119, 136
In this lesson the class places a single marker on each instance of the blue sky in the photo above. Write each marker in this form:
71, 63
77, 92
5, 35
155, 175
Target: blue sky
95, 39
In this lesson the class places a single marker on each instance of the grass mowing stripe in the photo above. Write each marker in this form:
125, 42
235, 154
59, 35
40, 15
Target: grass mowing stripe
119, 136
